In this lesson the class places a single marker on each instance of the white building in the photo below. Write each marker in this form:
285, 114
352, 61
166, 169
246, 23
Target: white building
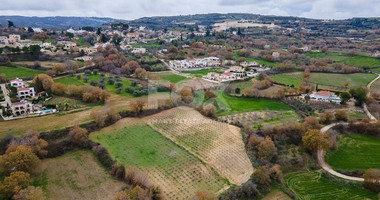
21, 108
325, 96
139, 50
84, 58
26, 92
17, 82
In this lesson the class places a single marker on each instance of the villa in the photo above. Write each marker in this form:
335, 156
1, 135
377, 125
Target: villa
325, 96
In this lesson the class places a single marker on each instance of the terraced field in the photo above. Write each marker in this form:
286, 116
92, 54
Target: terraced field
68, 177
355, 151
218, 144
179, 174
310, 185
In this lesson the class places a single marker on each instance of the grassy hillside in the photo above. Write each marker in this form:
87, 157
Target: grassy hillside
355, 151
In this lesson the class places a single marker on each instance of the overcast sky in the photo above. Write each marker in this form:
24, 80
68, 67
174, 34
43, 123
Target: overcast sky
132, 9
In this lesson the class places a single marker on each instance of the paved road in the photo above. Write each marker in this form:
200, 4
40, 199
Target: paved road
6, 95
325, 166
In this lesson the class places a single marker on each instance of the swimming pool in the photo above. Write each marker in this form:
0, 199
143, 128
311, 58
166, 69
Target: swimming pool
43, 112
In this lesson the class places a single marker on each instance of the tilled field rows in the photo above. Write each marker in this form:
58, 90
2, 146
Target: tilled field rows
218, 144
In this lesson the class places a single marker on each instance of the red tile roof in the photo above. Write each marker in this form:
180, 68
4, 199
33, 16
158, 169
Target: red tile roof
227, 73
324, 93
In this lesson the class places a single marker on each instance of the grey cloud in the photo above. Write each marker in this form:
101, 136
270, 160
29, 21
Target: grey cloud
132, 9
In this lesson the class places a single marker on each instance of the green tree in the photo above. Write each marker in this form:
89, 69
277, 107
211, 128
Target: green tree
345, 96
10, 24
360, 95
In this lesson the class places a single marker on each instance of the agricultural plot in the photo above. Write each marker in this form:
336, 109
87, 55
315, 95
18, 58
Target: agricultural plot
325, 79
170, 77
68, 177
178, 173
18, 72
359, 60
354, 152
218, 144
197, 84
276, 194
44, 64
203, 72
233, 105
260, 61
73, 80
262, 119
310, 185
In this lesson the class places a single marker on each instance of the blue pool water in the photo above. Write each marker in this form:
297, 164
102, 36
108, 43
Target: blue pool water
46, 111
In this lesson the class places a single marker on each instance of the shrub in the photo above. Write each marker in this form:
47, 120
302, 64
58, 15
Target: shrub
30, 193
262, 177
22, 159
103, 156
210, 94
105, 117
118, 171
58, 89
266, 149
129, 90
79, 76
14, 183
78, 136
314, 140
372, 180
341, 115
136, 106
209, 110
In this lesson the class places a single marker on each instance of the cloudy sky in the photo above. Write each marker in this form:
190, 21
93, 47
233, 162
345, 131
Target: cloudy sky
132, 9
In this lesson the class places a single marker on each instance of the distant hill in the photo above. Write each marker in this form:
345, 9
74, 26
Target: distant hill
55, 22
284, 21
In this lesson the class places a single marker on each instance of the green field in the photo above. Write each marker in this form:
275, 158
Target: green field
239, 84
228, 105
202, 72
326, 79
146, 45
173, 78
310, 185
342, 57
18, 72
72, 80
355, 151
260, 61
177, 172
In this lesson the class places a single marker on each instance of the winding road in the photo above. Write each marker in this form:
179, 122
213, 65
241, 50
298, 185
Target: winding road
321, 153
